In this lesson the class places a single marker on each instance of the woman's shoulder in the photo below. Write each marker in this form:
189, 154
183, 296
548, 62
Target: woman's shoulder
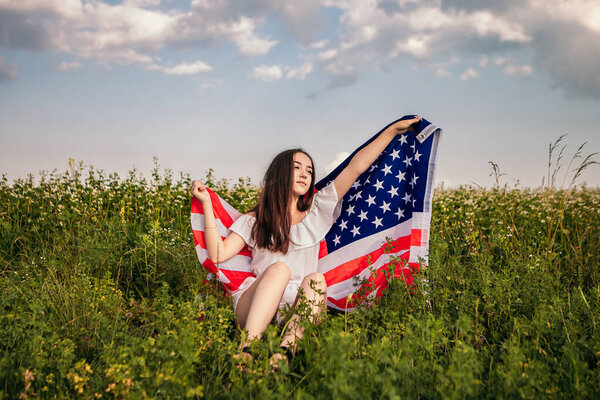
251, 214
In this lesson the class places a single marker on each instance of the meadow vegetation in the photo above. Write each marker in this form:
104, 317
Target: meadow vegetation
102, 296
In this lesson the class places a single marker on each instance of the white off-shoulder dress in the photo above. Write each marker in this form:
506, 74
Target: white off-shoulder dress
303, 253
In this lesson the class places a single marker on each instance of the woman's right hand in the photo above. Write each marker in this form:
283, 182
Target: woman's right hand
199, 191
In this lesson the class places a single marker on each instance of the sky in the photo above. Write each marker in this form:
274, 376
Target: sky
227, 84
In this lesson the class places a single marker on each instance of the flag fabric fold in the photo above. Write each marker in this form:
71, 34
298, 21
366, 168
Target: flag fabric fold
383, 224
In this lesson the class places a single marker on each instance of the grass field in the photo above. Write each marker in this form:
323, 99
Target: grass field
102, 297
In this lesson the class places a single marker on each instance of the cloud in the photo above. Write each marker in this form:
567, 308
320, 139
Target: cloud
381, 34
386, 33
270, 73
564, 39
303, 19
242, 33
513, 69
65, 66
483, 61
267, 73
561, 38
485, 23
338, 159
570, 54
183, 68
7, 71
441, 69
510, 67
211, 84
469, 74
127, 33
299, 72
319, 45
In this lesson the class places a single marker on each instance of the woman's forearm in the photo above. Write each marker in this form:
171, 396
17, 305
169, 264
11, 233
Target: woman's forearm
214, 242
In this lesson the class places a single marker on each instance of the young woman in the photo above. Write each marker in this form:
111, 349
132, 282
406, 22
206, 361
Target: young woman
284, 231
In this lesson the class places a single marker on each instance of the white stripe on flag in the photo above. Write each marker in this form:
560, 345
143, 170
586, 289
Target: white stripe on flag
237, 263
198, 224
233, 213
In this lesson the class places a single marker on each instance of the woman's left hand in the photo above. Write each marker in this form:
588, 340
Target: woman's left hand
403, 126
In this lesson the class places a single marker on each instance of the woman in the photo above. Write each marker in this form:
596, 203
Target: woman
284, 231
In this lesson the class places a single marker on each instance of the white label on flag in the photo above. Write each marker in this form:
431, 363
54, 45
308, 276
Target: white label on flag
425, 133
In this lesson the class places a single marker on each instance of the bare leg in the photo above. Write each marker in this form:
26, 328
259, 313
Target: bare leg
315, 291
257, 306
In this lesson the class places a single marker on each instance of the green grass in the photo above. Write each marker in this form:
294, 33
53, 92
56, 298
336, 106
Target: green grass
102, 297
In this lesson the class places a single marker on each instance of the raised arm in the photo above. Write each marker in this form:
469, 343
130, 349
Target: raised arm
368, 154
219, 250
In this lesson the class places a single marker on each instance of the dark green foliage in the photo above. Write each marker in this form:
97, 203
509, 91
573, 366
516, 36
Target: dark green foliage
101, 296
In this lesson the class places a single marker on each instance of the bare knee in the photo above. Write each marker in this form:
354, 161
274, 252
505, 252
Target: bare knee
281, 270
316, 281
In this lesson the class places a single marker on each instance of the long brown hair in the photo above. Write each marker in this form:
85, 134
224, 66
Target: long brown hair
272, 228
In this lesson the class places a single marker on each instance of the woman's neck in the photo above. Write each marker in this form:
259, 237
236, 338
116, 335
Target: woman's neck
293, 207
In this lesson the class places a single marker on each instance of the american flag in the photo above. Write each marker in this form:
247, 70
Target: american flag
383, 223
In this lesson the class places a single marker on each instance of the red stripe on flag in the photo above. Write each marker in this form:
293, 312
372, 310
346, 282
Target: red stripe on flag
210, 266
323, 249
245, 252
415, 237
219, 210
197, 206
354, 267
235, 278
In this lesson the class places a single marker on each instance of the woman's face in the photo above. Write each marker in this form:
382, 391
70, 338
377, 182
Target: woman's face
303, 172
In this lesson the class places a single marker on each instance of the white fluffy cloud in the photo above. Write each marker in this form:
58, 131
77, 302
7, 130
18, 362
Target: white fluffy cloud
299, 72
8, 71
559, 37
126, 33
511, 67
183, 68
65, 66
267, 73
469, 74
270, 73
